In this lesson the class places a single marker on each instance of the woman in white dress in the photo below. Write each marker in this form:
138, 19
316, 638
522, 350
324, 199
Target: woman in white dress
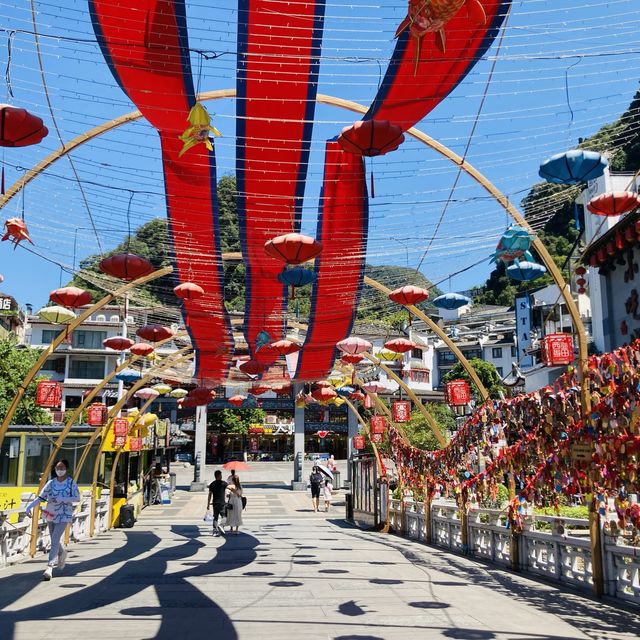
234, 515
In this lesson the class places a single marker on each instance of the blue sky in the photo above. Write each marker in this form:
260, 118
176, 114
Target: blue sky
564, 69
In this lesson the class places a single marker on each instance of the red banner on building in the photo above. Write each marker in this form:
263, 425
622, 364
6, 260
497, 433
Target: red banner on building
120, 427
401, 411
378, 424
97, 415
49, 394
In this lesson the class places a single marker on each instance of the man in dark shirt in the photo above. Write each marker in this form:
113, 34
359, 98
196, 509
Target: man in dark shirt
216, 497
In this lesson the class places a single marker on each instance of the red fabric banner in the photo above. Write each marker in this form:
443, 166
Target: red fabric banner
147, 49
278, 58
342, 229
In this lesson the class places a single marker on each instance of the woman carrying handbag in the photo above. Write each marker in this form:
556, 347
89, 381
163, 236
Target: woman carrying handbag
234, 505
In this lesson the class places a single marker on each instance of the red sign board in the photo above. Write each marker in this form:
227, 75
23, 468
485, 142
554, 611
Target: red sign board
376, 437
557, 349
456, 392
120, 427
358, 442
378, 424
97, 415
253, 445
256, 429
119, 441
401, 411
49, 394
135, 444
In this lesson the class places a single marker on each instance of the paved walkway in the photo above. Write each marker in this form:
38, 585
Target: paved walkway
291, 573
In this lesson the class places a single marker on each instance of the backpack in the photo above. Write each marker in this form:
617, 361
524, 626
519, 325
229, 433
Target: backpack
244, 502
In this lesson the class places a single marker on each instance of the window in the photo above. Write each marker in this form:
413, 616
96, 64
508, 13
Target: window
9, 466
419, 375
472, 353
88, 339
86, 369
49, 335
446, 357
37, 450
496, 352
514, 352
416, 353
499, 370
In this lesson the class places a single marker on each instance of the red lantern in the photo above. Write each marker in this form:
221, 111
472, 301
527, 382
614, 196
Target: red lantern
201, 395
629, 235
581, 290
371, 138
614, 203
70, 297
142, 349
120, 427
97, 415
293, 248
126, 266
378, 424
580, 270
285, 347
236, 401
377, 437
457, 393
188, 291
49, 394
154, 332
611, 248
324, 394
409, 295
252, 367
119, 441
118, 343
557, 349
352, 358
19, 128
399, 345
401, 411
581, 282
358, 442
135, 444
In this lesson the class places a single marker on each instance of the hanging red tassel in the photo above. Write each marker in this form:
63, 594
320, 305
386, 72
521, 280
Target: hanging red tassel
2, 185
373, 191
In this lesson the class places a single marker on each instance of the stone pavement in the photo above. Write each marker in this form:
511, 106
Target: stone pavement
291, 573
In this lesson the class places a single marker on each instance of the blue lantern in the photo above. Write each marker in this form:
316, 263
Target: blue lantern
514, 244
451, 301
573, 167
345, 391
296, 277
129, 375
525, 271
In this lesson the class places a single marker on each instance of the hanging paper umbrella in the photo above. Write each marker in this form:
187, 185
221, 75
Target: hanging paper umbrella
352, 358
614, 203
513, 245
142, 349
237, 401
56, 315
259, 389
202, 395
188, 291
17, 231
293, 248
71, 297
283, 390
178, 393
451, 301
252, 367
146, 393
573, 167
324, 394
389, 356
375, 387
399, 345
346, 391
162, 388
371, 138
357, 396
526, 271
126, 266
296, 277
19, 128
154, 332
148, 419
354, 345
409, 295
128, 375
285, 347
118, 343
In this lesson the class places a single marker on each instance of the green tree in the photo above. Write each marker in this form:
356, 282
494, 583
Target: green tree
486, 372
15, 363
418, 430
236, 420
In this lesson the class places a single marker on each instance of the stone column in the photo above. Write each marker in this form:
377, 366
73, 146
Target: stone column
352, 430
298, 483
200, 449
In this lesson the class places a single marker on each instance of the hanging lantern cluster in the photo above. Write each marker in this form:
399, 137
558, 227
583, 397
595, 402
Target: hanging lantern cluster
624, 236
557, 349
573, 167
581, 280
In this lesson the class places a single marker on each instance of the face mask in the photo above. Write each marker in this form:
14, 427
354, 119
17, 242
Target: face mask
61, 472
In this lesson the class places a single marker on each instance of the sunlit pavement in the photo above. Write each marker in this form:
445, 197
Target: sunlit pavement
291, 573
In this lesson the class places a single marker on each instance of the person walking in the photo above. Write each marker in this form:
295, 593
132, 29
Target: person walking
316, 480
234, 506
331, 464
61, 493
217, 490
327, 491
